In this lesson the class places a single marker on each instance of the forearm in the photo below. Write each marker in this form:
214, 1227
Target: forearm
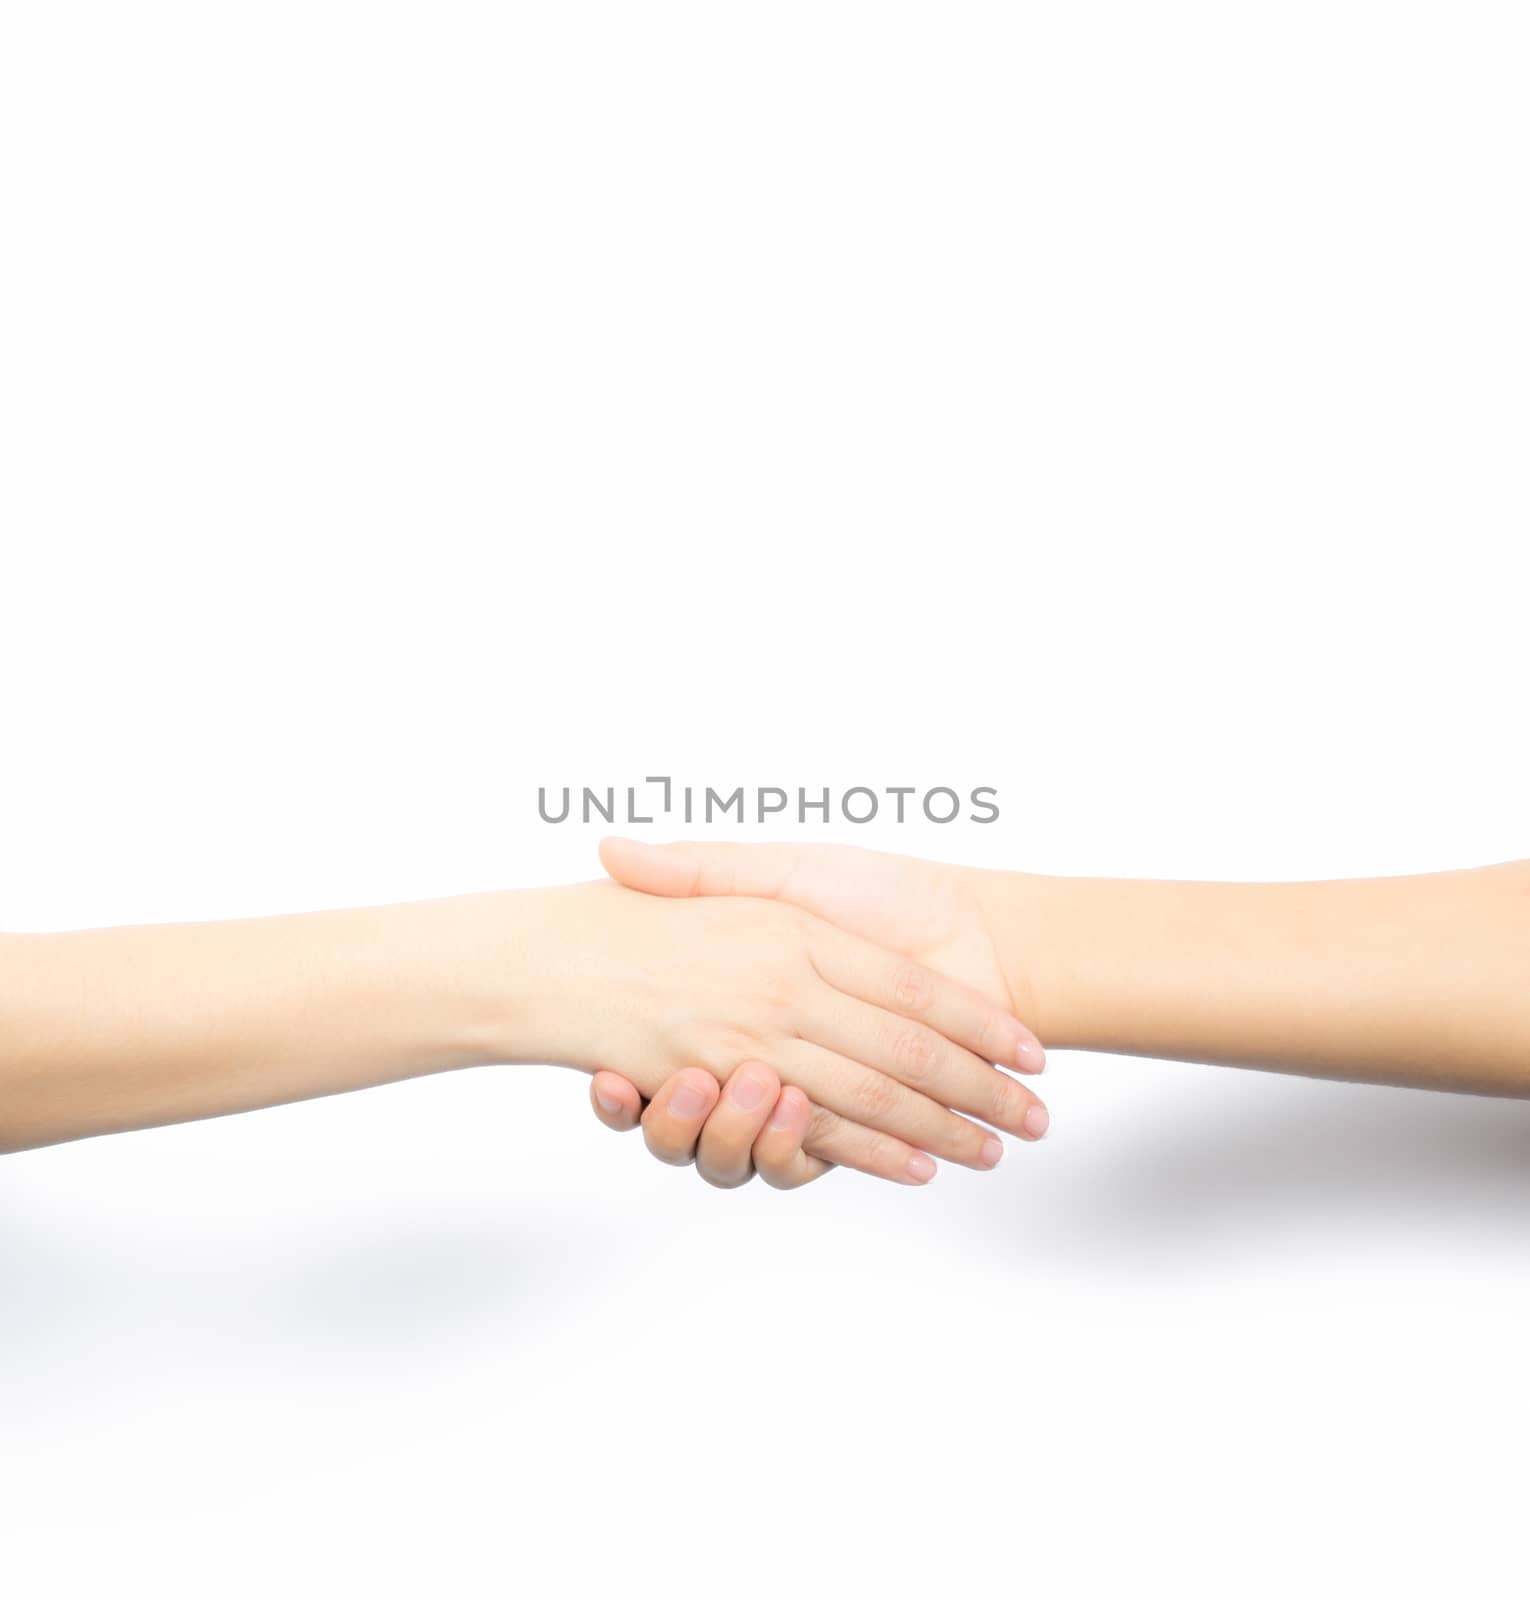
130, 1027
1421, 980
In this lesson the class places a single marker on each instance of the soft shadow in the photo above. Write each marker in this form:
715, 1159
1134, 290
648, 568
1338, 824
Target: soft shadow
1288, 1169
366, 1286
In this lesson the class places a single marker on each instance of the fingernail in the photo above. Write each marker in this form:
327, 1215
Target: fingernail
687, 1102
992, 1152
920, 1169
1030, 1056
606, 1103
1036, 1122
745, 1090
782, 1118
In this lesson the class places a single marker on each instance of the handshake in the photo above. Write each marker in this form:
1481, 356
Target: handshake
830, 1006
781, 1009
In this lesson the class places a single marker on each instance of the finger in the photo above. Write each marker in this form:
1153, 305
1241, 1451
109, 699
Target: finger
672, 1122
615, 1101
724, 1152
864, 1095
909, 989
925, 1062
778, 1154
760, 870
832, 1138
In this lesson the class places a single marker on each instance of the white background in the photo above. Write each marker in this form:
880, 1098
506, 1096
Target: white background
404, 406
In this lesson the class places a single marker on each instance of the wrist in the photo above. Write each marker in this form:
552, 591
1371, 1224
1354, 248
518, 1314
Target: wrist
1024, 916
552, 980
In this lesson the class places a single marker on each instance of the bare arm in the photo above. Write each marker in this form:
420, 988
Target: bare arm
120, 1028
1417, 980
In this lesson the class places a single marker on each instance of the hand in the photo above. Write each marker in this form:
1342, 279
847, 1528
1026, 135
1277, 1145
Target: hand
923, 909
752, 1125
880, 1045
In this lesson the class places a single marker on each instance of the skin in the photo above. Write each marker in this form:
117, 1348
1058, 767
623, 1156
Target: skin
751, 1125
112, 1029
1415, 981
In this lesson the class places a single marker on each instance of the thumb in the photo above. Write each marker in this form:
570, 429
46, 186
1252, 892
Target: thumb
679, 870
615, 1101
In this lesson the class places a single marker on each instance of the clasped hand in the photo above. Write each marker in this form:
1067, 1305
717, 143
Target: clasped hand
764, 1038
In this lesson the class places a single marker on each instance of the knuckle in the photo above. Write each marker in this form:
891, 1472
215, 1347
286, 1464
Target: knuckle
985, 1037
768, 1163
668, 1144
958, 1140
723, 1177
911, 987
914, 1054
670, 1155
872, 1148
875, 1097
822, 1127
973, 1138
725, 1152
1010, 1102
784, 1175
